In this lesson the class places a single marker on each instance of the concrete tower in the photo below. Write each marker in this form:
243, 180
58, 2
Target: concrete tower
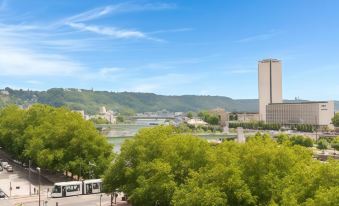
270, 84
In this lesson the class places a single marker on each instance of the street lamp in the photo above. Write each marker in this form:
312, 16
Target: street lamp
39, 170
29, 177
100, 198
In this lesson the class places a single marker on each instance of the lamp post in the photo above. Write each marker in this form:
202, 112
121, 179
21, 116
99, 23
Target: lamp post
100, 198
29, 177
39, 170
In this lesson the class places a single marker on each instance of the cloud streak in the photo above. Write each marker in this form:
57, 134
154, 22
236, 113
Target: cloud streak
78, 21
116, 9
25, 62
259, 37
110, 31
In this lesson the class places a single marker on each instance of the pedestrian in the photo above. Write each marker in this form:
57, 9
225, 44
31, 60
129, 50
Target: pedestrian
34, 190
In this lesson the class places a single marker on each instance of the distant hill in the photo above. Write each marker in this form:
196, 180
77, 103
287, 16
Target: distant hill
125, 102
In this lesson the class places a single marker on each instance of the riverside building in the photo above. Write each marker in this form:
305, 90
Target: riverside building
270, 85
271, 106
312, 113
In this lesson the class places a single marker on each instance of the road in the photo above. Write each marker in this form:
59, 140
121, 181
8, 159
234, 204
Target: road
81, 200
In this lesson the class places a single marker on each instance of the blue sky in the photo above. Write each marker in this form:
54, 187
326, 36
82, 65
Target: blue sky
170, 47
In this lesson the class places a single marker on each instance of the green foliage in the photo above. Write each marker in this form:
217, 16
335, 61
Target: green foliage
335, 143
323, 144
209, 118
186, 128
301, 140
126, 103
120, 119
162, 166
304, 128
190, 115
294, 140
161, 146
255, 125
233, 117
99, 120
55, 139
335, 120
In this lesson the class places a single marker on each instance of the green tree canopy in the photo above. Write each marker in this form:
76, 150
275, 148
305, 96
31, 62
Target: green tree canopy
55, 139
162, 166
335, 120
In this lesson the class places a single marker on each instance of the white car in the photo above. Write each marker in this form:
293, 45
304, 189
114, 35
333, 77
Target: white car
9, 168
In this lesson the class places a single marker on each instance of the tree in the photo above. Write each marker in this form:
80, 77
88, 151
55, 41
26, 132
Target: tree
55, 139
335, 144
162, 166
153, 154
335, 120
322, 144
301, 140
99, 120
120, 119
190, 115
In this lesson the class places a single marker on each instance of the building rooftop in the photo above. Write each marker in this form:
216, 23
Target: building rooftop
307, 102
269, 60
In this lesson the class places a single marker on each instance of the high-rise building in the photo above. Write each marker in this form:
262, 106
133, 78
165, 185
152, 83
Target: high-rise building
270, 84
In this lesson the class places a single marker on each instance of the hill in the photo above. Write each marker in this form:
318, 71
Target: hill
125, 102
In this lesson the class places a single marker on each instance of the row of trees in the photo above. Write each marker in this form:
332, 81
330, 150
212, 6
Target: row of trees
268, 126
255, 125
294, 140
161, 166
335, 120
187, 128
55, 139
303, 128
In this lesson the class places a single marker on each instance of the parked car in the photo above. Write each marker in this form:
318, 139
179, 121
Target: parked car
9, 168
2, 194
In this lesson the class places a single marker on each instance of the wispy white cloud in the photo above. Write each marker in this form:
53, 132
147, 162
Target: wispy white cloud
110, 31
77, 21
258, 37
117, 8
92, 14
33, 82
25, 62
112, 71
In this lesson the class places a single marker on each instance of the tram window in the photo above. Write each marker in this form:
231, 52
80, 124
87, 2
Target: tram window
95, 186
73, 188
57, 189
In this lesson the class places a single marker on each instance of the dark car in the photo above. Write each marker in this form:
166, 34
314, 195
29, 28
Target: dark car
2, 194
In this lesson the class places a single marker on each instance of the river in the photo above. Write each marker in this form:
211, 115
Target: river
119, 133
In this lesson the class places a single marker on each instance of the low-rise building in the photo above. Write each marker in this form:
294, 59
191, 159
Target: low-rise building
248, 117
312, 113
196, 122
222, 115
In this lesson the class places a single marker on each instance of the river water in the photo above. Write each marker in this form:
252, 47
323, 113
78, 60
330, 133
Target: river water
119, 133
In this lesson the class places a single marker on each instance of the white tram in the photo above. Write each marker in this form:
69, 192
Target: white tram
85, 187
